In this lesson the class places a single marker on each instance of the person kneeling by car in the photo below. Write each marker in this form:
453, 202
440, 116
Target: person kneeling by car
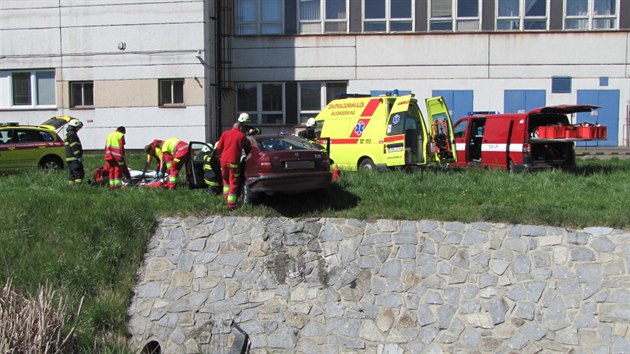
174, 157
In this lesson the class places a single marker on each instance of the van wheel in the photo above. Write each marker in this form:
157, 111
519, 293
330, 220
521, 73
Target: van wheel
367, 164
510, 166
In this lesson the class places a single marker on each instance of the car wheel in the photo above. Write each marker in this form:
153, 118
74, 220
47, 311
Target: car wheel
51, 164
248, 195
367, 164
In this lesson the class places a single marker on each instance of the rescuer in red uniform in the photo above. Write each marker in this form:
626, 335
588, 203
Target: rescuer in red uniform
230, 146
115, 158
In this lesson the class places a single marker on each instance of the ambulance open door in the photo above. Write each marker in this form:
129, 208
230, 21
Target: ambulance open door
441, 130
406, 119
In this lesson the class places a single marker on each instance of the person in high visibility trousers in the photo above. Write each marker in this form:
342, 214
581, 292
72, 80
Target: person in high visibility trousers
211, 170
154, 153
174, 156
115, 158
74, 152
230, 148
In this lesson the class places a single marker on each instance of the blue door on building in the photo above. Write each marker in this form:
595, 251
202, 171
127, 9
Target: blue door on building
522, 101
607, 115
459, 102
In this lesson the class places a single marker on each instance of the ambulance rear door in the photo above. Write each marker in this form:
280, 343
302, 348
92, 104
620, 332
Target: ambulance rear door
406, 137
441, 130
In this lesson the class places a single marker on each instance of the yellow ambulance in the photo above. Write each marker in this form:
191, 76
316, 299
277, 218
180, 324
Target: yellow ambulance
388, 131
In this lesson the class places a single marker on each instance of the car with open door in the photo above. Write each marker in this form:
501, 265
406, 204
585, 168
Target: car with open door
540, 139
30, 146
276, 164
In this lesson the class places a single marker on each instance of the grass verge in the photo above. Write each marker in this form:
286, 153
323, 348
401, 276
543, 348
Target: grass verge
87, 241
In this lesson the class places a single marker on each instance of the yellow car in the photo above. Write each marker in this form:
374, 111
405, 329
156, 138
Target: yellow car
28, 146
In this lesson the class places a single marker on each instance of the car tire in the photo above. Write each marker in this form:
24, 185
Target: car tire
51, 163
248, 195
367, 164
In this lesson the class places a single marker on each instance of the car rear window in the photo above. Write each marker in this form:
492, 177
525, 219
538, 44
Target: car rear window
284, 143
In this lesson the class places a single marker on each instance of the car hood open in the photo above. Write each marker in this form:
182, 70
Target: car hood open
56, 122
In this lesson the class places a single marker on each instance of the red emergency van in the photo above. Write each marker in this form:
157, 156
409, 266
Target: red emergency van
520, 141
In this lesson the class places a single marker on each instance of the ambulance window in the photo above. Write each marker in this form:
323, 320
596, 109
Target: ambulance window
460, 128
397, 123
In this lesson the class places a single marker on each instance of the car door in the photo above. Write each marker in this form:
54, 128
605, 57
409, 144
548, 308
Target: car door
29, 148
197, 151
441, 130
460, 132
7, 149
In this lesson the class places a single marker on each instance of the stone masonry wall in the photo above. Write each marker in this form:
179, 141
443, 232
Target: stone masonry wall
279, 285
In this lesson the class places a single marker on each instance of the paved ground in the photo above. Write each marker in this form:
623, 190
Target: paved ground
590, 151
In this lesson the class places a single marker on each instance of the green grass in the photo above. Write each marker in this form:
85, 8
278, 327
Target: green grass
88, 241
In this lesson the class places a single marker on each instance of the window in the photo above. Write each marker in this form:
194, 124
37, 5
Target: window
81, 94
33, 136
518, 15
561, 84
461, 15
387, 15
314, 96
335, 19
27, 89
254, 17
590, 14
171, 92
264, 102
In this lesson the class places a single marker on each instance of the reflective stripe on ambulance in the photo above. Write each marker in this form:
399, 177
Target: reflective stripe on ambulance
498, 147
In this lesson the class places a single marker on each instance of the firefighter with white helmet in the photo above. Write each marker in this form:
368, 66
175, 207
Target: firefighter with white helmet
74, 152
211, 170
243, 123
309, 133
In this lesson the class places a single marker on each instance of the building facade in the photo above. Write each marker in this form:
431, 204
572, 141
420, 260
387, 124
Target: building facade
186, 68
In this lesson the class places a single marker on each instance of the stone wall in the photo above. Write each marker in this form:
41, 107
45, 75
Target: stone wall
278, 285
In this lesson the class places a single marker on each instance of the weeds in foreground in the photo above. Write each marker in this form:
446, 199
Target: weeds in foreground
37, 324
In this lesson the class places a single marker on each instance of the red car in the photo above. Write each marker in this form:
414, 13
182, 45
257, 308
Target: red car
277, 164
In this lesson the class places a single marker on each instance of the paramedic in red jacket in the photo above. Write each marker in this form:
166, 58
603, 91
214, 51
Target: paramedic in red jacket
230, 146
115, 158
174, 156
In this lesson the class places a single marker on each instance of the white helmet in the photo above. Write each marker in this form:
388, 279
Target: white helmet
243, 118
206, 148
75, 123
311, 122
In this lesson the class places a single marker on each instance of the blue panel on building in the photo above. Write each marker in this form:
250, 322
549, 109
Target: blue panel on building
515, 101
459, 102
607, 115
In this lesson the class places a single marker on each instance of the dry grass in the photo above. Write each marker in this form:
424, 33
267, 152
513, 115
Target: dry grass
34, 324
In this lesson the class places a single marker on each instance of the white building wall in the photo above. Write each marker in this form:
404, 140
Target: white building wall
80, 40
487, 63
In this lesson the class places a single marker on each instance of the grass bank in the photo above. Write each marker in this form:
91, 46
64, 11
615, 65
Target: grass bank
88, 241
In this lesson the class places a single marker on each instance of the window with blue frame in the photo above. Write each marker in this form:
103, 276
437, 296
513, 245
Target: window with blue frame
560, 85
259, 17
